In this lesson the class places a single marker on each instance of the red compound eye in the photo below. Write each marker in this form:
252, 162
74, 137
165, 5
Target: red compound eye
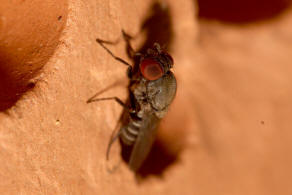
151, 69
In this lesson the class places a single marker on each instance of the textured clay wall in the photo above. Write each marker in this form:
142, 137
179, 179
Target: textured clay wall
227, 132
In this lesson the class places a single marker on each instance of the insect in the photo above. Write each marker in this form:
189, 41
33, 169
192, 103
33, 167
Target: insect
152, 88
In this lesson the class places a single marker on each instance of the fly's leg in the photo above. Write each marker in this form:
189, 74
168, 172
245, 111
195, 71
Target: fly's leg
102, 42
130, 50
120, 102
115, 135
116, 99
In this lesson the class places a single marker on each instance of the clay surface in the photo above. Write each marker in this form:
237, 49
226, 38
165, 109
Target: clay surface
29, 35
227, 132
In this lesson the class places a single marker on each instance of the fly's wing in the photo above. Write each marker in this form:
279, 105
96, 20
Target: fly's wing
144, 141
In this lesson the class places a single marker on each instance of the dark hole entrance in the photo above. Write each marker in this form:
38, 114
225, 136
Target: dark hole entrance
11, 90
158, 27
241, 11
157, 161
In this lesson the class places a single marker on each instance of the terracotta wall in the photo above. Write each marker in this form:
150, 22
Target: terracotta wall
227, 132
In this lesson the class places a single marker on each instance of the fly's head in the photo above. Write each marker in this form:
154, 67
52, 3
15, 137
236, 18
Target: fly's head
155, 63
160, 85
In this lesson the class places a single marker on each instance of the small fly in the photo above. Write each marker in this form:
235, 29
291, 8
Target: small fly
152, 88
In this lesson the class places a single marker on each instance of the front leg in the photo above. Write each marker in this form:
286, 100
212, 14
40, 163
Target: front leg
116, 99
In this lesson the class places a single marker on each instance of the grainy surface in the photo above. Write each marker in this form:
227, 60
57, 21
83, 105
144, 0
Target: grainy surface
227, 132
29, 35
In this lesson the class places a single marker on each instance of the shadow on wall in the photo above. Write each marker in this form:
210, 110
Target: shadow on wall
157, 27
241, 11
158, 160
11, 90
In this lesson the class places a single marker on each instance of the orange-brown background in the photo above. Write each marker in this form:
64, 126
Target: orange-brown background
228, 131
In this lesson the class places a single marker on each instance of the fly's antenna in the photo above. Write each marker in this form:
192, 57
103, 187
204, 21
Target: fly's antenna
157, 47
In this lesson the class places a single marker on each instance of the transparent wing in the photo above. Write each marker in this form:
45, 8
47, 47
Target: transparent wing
144, 141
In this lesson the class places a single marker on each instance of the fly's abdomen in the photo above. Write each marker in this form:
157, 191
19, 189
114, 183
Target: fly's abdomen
130, 132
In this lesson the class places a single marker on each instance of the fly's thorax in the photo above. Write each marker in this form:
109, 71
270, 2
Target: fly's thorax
154, 96
161, 93
146, 108
138, 88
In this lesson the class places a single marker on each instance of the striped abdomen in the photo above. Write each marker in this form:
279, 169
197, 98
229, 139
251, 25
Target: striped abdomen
130, 132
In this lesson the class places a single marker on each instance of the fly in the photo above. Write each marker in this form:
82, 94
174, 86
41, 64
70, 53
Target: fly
152, 88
